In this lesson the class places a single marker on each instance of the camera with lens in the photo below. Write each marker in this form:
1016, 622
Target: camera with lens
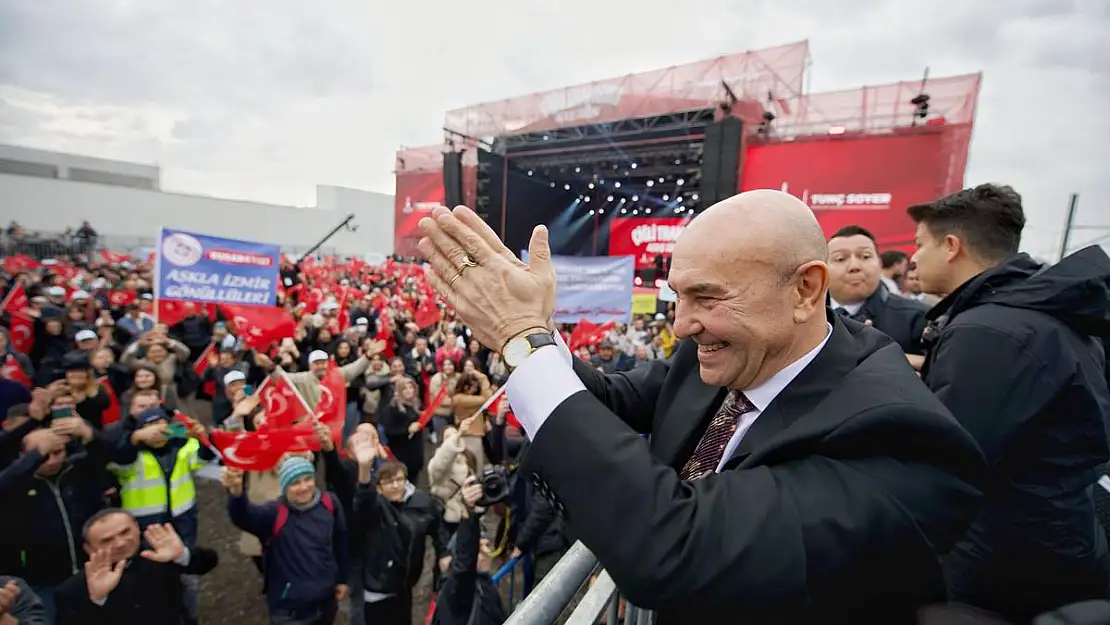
495, 485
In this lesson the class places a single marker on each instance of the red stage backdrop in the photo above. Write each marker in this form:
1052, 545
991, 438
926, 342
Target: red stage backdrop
644, 238
418, 193
866, 181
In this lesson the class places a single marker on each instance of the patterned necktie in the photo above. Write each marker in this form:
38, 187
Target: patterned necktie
707, 455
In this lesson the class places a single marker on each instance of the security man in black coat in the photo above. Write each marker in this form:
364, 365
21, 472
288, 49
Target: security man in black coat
856, 291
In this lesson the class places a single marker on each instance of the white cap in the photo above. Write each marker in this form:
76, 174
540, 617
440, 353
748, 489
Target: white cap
318, 355
146, 296
234, 376
56, 291
363, 321
330, 305
79, 295
229, 342
84, 335
660, 317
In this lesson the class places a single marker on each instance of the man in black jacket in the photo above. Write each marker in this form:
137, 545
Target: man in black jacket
1016, 356
467, 595
394, 519
19, 605
123, 586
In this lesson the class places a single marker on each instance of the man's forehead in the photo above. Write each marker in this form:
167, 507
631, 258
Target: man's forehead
854, 242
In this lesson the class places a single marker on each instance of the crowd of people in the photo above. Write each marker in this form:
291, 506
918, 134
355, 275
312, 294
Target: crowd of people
109, 399
115, 404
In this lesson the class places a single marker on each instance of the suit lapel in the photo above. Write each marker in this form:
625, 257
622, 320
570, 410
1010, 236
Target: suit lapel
692, 404
804, 392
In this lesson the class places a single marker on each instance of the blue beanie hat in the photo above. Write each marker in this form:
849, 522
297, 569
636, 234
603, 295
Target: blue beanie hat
292, 469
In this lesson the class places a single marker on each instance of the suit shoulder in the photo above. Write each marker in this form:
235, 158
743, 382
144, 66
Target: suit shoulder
907, 304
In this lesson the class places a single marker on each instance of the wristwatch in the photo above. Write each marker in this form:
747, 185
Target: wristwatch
521, 347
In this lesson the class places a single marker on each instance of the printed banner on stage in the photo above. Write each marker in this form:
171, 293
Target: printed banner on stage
594, 288
644, 238
865, 181
644, 301
201, 268
418, 194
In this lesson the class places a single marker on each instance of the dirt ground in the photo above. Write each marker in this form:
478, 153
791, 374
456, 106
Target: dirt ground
231, 593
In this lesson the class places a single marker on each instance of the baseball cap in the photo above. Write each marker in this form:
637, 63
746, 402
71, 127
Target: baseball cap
234, 376
150, 415
84, 335
318, 355
56, 291
79, 295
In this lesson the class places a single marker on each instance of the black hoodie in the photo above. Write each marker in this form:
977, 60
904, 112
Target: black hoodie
1018, 355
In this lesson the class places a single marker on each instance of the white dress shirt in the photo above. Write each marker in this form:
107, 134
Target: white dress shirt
852, 309
546, 379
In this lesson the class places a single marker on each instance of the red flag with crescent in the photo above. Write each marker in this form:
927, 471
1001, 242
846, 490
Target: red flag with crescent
259, 326
281, 402
12, 370
21, 331
15, 300
261, 451
332, 407
436, 402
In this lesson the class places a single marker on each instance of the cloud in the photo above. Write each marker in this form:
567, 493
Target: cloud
264, 99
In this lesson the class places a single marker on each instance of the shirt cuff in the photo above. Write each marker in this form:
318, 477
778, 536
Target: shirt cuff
563, 348
186, 556
100, 603
536, 388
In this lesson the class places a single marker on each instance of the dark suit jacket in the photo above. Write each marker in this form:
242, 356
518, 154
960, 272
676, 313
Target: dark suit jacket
833, 509
148, 593
900, 318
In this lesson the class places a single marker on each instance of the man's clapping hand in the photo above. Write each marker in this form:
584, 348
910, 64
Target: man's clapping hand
102, 575
166, 545
9, 594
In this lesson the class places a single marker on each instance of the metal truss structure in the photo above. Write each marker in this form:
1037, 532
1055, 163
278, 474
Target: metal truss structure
608, 131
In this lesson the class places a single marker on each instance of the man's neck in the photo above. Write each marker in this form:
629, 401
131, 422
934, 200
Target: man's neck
806, 340
964, 271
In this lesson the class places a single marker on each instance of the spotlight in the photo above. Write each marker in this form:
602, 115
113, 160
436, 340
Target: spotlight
660, 179
577, 170
647, 210
602, 181
680, 182
591, 185
529, 172
650, 183
624, 210
610, 198
617, 185
635, 198
694, 197
567, 187
587, 198
552, 185
635, 212
591, 211
545, 137
638, 280
666, 197
601, 211
633, 165
677, 161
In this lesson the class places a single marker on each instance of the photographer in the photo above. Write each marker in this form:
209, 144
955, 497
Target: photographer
468, 596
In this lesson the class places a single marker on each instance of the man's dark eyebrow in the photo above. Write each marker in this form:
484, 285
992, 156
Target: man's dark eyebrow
702, 288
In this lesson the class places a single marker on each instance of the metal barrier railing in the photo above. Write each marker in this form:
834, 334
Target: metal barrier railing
547, 602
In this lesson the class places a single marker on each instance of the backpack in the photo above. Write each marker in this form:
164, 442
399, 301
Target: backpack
283, 512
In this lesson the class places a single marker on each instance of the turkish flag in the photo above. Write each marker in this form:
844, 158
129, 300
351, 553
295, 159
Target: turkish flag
589, 334
281, 402
332, 407
15, 300
20, 263
11, 370
259, 326
114, 258
120, 298
427, 313
112, 414
436, 402
22, 332
200, 365
173, 311
261, 451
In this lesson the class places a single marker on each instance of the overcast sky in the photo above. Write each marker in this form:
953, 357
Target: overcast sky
263, 99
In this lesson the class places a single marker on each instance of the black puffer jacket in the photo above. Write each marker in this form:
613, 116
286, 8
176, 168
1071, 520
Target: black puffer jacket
393, 552
1017, 355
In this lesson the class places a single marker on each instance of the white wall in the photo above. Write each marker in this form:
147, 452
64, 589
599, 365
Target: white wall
47, 205
64, 161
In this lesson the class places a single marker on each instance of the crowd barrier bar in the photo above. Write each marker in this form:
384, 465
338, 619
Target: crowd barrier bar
547, 601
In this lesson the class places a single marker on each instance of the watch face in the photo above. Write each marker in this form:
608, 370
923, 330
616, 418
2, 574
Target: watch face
516, 351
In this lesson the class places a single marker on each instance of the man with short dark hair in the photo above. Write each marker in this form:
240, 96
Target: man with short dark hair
1015, 355
857, 291
895, 263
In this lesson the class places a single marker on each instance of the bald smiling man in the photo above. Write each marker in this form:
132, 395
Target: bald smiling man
797, 470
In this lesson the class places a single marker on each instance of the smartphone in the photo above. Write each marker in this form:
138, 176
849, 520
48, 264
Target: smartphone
177, 429
61, 413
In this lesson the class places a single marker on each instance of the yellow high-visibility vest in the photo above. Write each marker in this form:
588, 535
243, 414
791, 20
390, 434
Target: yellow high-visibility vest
145, 491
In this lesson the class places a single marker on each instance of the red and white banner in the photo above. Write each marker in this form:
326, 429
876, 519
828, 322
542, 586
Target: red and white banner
281, 402
644, 238
863, 181
417, 194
